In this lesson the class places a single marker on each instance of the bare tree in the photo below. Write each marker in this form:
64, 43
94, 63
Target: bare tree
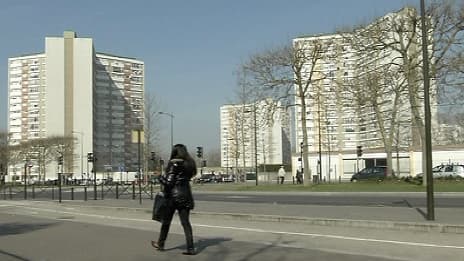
379, 92
4, 155
46, 150
42, 151
288, 74
245, 95
252, 103
152, 132
399, 35
377, 89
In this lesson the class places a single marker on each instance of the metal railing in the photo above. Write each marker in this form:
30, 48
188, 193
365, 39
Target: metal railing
78, 192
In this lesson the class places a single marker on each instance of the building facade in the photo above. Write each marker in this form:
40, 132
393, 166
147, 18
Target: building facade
341, 112
254, 134
72, 91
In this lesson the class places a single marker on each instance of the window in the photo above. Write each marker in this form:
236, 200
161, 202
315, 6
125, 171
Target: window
349, 129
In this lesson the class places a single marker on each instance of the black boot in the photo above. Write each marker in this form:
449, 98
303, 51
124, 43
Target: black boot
190, 252
190, 248
158, 245
189, 240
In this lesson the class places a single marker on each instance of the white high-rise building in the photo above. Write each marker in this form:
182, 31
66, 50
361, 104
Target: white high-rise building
251, 134
337, 121
72, 91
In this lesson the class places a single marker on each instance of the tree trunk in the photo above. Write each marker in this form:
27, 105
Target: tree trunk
306, 169
389, 162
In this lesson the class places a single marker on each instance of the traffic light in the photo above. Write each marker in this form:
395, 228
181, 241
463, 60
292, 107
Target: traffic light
60, 160
200, 152
153, 156
203, 163
359, 151
90, 157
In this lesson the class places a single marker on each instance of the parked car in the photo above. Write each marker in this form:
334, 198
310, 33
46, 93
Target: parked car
155, 179
206, 178
250, 175
226, 178
51, 182
370, 173
445, 170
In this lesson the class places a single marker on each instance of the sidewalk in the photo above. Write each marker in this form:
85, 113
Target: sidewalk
447, 220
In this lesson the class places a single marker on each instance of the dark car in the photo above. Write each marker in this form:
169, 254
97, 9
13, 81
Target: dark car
226, 178
370, 173
206, 178
155, 179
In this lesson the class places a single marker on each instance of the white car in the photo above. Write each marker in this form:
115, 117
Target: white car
446, 170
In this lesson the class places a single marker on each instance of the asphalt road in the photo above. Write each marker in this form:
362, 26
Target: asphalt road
413, 199
338, 199
49, 231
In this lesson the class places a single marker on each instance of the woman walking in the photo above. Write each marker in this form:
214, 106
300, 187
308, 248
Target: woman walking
176, 187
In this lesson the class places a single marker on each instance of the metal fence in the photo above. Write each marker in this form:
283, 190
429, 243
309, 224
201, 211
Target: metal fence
79, 192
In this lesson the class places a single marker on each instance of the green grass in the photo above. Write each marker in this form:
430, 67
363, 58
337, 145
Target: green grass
385, 186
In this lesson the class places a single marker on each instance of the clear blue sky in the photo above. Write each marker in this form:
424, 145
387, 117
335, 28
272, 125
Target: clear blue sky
190, 48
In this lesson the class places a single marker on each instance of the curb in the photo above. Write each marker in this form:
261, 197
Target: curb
392, 225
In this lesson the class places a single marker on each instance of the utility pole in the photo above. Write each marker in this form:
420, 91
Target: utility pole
320, 138
427, 116
256, 142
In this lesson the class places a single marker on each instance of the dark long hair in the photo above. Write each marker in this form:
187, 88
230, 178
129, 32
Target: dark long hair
179, 151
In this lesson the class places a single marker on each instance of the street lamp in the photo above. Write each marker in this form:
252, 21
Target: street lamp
256, 143
227, 154
255, 140
320, 140
172, 125
82, 151
301, 155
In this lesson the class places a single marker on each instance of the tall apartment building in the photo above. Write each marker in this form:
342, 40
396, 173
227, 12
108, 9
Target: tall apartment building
336, 121
239, 124
72, 91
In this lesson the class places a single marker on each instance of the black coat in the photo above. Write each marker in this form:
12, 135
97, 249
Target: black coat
176, 183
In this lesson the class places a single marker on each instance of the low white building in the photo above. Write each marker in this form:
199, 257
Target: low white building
340, 167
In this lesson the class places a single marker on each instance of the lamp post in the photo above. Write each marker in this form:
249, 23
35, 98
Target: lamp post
137, 136
255, 140
301, 155
227, 154
227, 158
319, 136
256, 143
82, 151
172, 125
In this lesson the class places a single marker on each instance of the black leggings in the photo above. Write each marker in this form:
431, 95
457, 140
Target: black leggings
184, 214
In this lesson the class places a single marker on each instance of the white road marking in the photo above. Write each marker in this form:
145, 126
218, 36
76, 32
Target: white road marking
333, 236
256, 230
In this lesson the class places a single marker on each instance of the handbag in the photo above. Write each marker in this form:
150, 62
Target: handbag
159, 207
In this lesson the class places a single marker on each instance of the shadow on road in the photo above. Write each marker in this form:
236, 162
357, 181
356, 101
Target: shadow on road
202, 244
10, 256
409, 205
423, 214
20, 228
